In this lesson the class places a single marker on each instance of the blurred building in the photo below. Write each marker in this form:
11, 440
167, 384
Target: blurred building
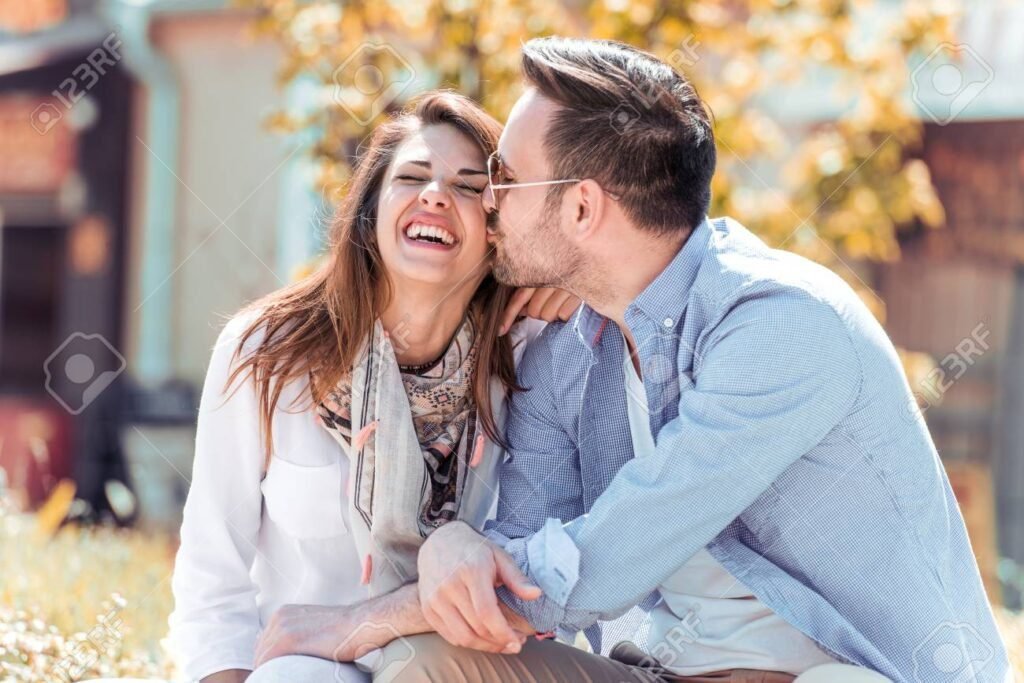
140, 202
958, 293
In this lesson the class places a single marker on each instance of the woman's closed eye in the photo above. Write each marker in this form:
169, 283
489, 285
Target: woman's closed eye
469, 188
465, 188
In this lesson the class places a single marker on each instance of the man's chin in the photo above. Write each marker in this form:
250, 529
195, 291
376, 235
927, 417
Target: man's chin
507, 274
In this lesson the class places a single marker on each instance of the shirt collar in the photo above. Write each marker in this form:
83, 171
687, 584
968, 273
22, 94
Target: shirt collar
661, 301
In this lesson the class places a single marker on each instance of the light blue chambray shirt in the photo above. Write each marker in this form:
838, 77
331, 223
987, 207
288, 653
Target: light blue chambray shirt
787, 443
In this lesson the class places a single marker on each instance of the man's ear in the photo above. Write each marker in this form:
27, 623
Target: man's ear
589, 209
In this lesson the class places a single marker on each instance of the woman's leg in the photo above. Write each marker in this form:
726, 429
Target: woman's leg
303, 669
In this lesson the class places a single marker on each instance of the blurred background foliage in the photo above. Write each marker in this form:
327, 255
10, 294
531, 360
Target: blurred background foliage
62, 614
836, 188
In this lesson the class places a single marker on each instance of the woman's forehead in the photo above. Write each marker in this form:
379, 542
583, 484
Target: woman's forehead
441, 144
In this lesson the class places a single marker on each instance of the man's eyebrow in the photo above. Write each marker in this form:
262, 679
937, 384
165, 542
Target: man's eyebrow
462, 171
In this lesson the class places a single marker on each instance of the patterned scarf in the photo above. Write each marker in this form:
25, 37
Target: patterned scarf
443, 415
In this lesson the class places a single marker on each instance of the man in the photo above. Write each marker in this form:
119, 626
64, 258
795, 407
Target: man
721, 434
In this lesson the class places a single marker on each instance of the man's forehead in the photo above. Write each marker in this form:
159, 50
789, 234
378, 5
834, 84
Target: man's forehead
524, 132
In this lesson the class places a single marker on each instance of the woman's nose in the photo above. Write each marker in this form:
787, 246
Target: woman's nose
434, 194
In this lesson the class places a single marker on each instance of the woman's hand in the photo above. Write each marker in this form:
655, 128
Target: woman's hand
312, 630
543, 303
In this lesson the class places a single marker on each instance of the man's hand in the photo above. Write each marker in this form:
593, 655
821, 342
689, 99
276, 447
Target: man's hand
459, 570
544, 303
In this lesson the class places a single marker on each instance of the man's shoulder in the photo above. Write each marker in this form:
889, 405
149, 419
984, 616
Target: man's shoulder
741, 269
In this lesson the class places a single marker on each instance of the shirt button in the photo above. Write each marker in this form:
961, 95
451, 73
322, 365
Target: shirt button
668, 322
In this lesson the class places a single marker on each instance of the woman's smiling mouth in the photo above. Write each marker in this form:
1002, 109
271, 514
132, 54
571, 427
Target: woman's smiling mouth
429, 231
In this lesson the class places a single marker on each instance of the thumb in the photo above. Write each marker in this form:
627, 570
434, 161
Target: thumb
512, 578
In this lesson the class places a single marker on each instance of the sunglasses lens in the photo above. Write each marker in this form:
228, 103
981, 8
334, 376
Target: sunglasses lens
493, 176
493, 168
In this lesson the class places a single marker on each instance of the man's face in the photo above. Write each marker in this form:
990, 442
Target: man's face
530, 233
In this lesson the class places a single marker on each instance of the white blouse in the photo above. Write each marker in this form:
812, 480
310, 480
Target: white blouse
251, 541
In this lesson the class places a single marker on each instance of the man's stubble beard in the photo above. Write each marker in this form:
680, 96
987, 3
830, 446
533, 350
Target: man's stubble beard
541, 258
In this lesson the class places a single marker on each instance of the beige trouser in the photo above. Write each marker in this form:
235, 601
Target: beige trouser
428, 658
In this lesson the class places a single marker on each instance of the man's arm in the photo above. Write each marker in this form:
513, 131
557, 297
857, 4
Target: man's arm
539, 478
775, 378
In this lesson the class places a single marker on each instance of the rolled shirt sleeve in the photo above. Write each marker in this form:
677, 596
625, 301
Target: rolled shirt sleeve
773, 378
215, 622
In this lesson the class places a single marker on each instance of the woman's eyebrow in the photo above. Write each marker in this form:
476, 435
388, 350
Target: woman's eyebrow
462, 171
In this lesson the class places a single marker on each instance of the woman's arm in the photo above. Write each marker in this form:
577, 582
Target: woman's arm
215, 621
345, 633
544, 303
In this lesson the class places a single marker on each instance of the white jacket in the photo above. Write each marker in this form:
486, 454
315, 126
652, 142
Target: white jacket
252, 541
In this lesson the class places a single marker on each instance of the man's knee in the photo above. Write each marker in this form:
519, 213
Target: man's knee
423, 657
840, 673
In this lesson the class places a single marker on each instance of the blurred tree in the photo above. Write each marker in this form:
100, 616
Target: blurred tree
836, 186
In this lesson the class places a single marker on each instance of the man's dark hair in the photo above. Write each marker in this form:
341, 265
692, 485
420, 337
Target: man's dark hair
630, 122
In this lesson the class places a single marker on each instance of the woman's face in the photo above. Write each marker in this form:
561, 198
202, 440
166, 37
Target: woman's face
430, 217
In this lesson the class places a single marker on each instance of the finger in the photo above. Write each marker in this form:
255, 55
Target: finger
537, 301
515, 305
462, 601
449, 623
569, 307
550, 311
490, 616
511, 577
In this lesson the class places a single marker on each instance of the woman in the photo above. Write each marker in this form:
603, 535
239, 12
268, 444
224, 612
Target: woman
392, 356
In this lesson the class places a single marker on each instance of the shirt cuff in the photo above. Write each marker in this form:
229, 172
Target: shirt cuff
551, 560
554, 561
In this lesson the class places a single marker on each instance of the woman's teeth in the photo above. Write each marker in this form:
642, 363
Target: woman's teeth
429, 233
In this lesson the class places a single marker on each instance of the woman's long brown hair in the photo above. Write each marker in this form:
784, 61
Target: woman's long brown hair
317, 325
